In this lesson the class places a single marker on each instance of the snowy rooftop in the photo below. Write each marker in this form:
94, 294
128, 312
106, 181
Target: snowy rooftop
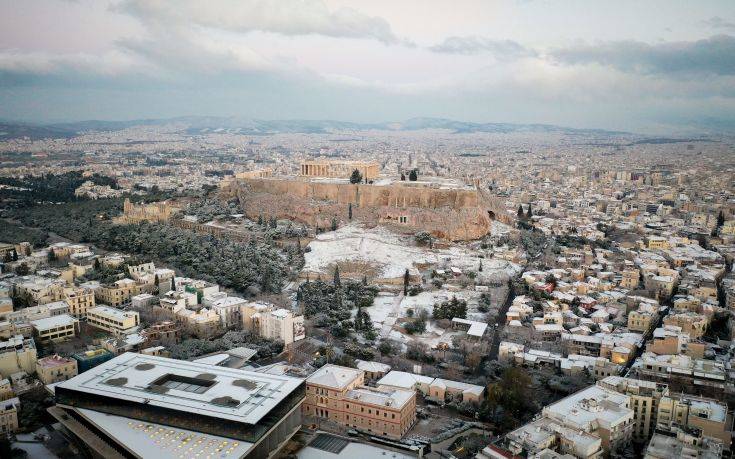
593, 404
62, 320
220, 392
334, 376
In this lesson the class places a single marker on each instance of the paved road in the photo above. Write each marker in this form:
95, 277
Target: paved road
493, 355
392, 316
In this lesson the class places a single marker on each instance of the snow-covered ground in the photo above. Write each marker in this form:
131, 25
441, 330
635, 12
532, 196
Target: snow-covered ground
385, 255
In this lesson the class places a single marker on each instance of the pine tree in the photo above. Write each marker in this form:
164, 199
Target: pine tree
260, 219
337, 282
406, 278
356, 177
15, 255
403, 177
334, 224
349, 211
528, 212
520, 211
480, 267
413, 175
720, 219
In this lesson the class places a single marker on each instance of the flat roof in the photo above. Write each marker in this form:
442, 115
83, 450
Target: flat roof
117, 313
53, 322
237, 395
148, 439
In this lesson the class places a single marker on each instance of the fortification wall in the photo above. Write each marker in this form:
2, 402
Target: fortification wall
453, 214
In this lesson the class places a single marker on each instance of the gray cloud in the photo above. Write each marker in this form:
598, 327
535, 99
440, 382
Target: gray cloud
717, 22
471, 45
714, 55
285, 17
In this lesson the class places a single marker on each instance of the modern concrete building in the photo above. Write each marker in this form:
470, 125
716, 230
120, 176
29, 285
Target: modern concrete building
56, 328
113, 320
140, 406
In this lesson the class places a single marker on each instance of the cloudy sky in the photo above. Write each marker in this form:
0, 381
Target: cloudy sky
646, 66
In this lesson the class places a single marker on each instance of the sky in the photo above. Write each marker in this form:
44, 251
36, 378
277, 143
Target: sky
638, 65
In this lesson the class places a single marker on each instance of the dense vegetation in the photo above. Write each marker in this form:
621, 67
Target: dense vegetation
331, 306
193, 348
14, 233
21, 192
248, 268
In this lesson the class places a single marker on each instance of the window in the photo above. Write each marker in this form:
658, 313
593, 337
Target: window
183, 383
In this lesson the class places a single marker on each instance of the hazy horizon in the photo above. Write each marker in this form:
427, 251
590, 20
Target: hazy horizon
648, 67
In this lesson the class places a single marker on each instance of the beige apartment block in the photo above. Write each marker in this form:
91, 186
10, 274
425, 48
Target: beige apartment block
644, 401
338, 394
80, 300
630, 279
56, 328
17, 354
55, 368
117, 293
709, 415
691, 323
283, 325
113, 320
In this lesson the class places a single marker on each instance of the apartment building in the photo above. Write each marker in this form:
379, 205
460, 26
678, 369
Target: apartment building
644, 401
117, 293
9, 406
54, 368
709, 415
57, 328
17, 354
113, 320
683, 443
338, 394
228, 309
691, 323
597, 410
283, 325
80, 300
40, 290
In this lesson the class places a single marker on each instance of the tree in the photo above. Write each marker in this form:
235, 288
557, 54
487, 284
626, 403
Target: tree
406, 280
720, 219
520, 211
413, 175
356, 177
403, 177
51, 256
260, 219
334, 224
349, 211
22, 269
97, 265
479, 268
337, 282
528, 212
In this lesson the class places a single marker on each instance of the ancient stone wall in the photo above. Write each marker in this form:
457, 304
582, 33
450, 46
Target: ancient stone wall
453, 214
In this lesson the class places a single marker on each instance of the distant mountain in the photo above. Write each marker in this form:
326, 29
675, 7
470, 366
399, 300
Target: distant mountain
195, 125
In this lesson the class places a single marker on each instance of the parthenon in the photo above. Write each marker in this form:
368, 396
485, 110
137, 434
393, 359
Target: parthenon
339, 169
